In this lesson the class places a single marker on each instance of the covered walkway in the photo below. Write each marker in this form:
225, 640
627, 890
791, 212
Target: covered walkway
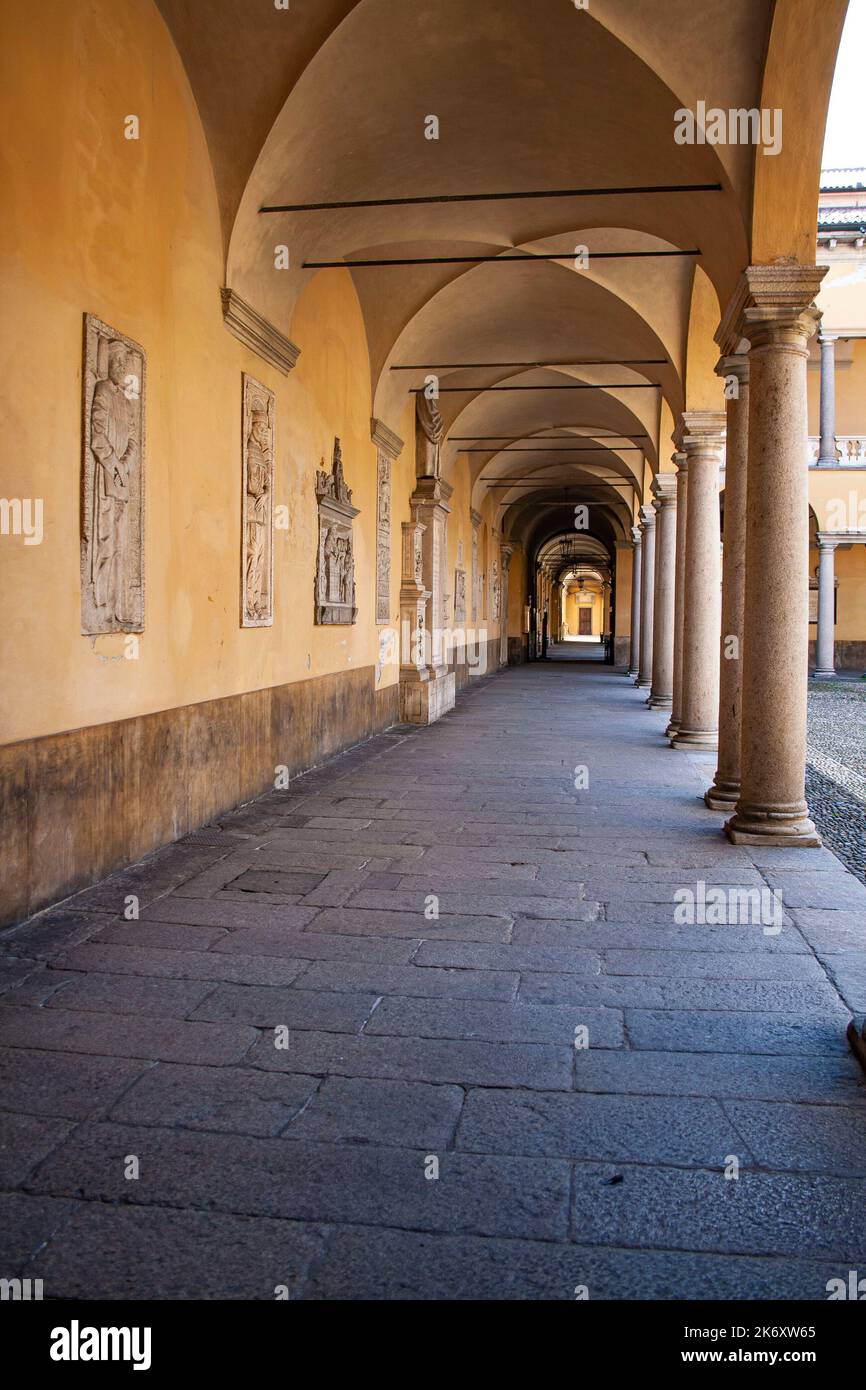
424, 1024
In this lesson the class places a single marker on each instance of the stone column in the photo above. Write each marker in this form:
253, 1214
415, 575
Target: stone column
634, 658
682, 464
773, 308
723, 794
647, 596
702, 442
664, 489
825, 647
827, 451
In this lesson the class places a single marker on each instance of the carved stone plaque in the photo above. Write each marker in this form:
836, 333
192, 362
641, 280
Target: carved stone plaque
383, 538
112, 481
460, 597
257, 505
335, 568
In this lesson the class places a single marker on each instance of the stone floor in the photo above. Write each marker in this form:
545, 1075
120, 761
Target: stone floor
252, 1086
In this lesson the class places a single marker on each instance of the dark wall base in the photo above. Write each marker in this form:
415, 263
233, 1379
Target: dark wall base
517, 650
850, 655
621, 651
75, 806
484, 663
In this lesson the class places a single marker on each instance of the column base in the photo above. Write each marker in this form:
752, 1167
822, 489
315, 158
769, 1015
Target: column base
696, 740
671, 730
776, 826
659, 702
828, 674
723, 795
632, 675
424, 701
643, 684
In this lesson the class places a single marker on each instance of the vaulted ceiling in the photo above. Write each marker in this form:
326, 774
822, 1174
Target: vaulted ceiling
326, 102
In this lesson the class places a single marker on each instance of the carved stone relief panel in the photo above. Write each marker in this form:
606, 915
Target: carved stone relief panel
335, 568
459, 597
257, 500
495, 593
383, 538
112, 481
474, 575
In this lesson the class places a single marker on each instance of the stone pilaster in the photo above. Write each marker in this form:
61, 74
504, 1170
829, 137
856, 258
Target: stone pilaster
774, 309
664, 490
428, 698
723, 794
702, 440
506, 550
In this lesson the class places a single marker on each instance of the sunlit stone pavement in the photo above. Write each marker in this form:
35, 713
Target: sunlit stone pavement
424, 1026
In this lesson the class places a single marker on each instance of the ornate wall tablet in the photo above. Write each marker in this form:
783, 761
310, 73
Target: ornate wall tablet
257, 521
335, 569
112, 481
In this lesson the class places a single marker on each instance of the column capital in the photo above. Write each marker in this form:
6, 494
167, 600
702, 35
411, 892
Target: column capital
772, 303
701, 432
475, 517
506, 550
636, 536
681, 460
829, 541
664, 490
827, 337
735, 364
648, 517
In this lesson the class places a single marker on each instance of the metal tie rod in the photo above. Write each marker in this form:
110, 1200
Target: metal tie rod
494, 197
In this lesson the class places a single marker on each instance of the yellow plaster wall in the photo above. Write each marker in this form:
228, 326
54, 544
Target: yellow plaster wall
129, 230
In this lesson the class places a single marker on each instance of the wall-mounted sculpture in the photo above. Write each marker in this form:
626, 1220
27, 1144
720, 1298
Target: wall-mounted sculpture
495, 593
112, 481
335, 570
257, 520
428, 437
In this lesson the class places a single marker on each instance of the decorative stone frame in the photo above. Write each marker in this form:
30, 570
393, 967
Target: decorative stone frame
336, 515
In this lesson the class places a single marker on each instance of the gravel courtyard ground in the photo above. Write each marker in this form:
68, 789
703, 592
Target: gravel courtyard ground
836, 775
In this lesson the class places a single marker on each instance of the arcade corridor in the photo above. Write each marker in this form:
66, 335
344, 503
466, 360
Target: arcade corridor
329, 1087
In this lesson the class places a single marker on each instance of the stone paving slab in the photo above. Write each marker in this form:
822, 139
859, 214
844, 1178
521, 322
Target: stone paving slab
374, 1265
788, 1214
307, 1181
286, 1035
636, 1129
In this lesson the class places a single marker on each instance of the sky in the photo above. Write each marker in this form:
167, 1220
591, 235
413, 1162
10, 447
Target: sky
845, 140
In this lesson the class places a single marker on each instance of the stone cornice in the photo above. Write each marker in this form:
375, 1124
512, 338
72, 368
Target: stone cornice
385, 439
830, 539
257, 333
